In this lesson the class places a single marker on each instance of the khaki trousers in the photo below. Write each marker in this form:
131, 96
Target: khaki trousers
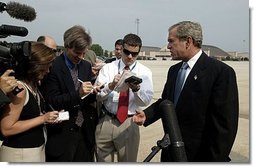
111, 137
9, 154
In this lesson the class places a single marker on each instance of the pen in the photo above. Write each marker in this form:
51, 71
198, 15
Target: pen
50, 106
80, 80
101, 87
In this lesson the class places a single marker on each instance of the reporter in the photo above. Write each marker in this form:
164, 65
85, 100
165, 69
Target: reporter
67, 83
115, 132
23, 119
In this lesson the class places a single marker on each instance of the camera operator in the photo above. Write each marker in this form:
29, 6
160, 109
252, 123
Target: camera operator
7, 84
22, 123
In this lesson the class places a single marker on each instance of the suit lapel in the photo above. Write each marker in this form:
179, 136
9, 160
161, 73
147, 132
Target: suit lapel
173, 80
197, 72
84, 71
67, 76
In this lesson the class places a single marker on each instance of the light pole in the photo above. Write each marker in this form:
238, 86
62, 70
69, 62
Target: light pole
137, 22
244, 45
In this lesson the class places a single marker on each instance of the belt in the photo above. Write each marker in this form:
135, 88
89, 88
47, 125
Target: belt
113, 115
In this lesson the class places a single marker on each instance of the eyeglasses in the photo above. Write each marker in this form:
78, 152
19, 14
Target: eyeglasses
127, 53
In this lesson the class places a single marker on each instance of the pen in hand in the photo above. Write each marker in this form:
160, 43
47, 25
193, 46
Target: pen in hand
101, 87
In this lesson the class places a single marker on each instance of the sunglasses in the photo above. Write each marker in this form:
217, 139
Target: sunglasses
127, 53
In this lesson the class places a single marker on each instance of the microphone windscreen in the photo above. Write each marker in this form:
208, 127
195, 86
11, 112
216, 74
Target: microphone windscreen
13, 30
21, 11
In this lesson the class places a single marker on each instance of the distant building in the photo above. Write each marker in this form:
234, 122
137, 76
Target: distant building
148, 49
150, 52
154, 52
240, 55
215, 52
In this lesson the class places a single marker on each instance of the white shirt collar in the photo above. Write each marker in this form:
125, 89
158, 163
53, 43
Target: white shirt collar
122, 65
194, 59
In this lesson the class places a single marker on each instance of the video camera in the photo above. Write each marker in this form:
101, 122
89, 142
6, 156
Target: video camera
15, 55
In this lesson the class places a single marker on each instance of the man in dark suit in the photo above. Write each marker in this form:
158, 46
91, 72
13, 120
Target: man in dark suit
207, 108
67, 83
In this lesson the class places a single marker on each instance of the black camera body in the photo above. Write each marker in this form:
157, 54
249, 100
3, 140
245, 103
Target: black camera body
14, 56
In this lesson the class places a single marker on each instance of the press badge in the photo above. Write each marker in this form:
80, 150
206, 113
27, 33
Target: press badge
115, 96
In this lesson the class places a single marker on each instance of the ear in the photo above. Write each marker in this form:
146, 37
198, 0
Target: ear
189, 41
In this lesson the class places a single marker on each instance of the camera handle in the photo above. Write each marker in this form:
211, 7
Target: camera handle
16, 90
163, 143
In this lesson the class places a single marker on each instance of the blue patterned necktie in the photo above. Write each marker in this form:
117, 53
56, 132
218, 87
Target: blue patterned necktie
74, 74
179, 81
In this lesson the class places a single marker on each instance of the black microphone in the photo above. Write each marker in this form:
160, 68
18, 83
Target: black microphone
7, 30
19, 11
171, 127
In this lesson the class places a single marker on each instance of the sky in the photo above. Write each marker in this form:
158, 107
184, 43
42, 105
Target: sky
225, 23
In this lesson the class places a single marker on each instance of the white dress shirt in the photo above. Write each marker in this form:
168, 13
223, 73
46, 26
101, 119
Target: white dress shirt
137, 100
191, 63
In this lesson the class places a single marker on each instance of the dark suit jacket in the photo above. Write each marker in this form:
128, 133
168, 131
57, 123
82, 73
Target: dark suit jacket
59, 91
109, 60
207, 110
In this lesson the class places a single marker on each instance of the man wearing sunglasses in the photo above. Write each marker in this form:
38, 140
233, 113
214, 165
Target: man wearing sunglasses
116, 132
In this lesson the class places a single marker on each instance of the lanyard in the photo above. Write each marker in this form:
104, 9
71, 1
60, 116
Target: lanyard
130, 69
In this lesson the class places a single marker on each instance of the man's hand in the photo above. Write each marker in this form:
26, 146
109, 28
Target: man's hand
7, 83
85, 88
114, 82
97, 88
50, 117
139, 118
134, 87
